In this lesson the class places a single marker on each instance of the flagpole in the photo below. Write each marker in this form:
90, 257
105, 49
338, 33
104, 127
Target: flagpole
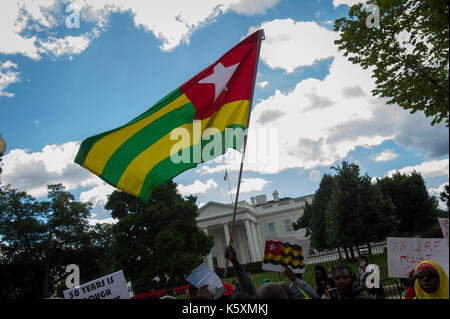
229, 188
262, 37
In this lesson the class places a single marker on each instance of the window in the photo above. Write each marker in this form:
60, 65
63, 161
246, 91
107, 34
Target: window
271, 228
288, 225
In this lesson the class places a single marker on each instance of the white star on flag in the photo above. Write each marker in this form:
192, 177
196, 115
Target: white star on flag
220, 78
273, 247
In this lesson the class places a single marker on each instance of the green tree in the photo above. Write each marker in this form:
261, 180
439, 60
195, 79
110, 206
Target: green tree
356, 213
408, 52
313, 218
414, 208
160, 239
445, 196
39, 239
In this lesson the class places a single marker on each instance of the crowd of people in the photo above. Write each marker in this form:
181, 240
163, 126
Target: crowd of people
427, 281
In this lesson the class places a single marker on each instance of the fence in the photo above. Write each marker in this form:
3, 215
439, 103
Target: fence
392, 288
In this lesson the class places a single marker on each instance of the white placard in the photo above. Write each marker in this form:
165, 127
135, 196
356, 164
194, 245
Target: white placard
405, 253
112, 286
271, 246
444, 226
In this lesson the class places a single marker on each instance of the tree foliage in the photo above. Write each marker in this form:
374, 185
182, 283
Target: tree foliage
414, 208
408, 52
160, 239
39, 239
313, 218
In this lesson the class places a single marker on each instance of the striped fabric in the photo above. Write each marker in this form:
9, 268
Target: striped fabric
284, 254
139, 155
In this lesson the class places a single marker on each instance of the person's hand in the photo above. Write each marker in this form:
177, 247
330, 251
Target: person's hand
204, 293
230, 254
290, 273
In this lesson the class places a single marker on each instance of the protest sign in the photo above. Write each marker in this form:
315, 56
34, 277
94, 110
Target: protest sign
444, 226
405, 253
202, 275
112, 286
280, 252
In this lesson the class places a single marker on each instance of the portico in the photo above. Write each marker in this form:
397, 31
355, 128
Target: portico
253, 223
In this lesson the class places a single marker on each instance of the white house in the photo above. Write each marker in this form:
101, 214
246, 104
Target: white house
252, 224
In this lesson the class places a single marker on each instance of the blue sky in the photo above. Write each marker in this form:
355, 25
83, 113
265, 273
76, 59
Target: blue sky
60, 85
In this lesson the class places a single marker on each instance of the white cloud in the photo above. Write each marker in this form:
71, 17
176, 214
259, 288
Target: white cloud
290, 44
262, 84
349, 3
385, 156
32, 172
251, 184
426, 169
251, 7
315, 175
97, 195
436, 192
68, 45
93, 222
7, 77
197, 187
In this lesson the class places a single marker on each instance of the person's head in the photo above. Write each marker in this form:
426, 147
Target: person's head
329, 283
320, 273
286, 287
192, 292
271, 290
363, 262
344, 279
428, 277
330, 272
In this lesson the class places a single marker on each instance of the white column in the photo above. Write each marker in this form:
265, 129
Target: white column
255, 241
209, 260
261, 242
227, 234
250, 240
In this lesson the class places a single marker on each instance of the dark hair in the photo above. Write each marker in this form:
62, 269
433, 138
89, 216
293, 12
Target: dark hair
330, 282
322, 271
350, 271
363, 257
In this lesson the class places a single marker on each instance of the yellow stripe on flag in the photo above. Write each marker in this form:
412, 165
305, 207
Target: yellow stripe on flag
134, 176
288, 260
100, 153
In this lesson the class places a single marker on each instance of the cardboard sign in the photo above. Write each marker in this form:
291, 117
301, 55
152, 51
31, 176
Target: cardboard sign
202, 275
113, 286
280, 252
444, 226
405, 253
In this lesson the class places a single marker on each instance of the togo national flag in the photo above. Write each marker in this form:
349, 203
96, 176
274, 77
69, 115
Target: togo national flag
174, 134
284, 254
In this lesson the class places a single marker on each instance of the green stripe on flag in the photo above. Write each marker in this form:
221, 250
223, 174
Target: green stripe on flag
167, 169
139, 142
87, 144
